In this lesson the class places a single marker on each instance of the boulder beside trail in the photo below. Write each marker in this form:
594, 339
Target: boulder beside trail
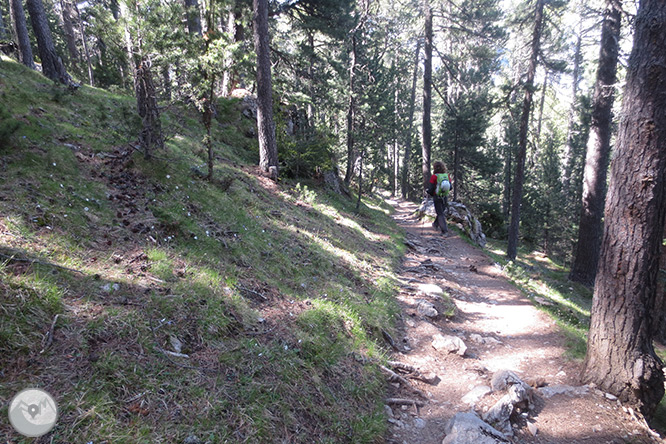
458, 213
468, 428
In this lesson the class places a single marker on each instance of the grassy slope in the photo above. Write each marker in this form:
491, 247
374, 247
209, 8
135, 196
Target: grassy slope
278, 294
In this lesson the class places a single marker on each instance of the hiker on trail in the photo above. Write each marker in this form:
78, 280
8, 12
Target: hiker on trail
439, 187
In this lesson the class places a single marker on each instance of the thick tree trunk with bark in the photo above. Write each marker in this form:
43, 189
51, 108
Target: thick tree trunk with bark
620, 357
659, 309
426, 142
584, 267
268, 155
410, 125
519, 176
146, 99
52, 66
193, 16
21, 32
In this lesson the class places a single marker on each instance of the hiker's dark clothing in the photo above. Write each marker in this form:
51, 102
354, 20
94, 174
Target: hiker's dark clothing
440, 205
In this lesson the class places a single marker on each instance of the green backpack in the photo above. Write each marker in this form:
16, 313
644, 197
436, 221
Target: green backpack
443, 185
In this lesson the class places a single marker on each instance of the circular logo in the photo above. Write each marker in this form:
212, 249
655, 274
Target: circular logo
33, 412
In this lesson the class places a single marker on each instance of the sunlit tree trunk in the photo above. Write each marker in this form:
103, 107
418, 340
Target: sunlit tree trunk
351, 110
268, 154
584, 267
620, 356
91, 78
410, 125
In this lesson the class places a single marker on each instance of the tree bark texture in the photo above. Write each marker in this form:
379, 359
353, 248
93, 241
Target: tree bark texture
567, 161
410, 125
620, 357
519, 176
52, 66
426, 142
351, 111
91, 78
146, 99
584, 267
21, 32
659, 309
70, 36
268, 155
193, 17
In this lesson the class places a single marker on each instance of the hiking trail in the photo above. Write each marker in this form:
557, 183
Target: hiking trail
502, 330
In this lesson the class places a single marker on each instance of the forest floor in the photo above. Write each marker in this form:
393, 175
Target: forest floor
503, 330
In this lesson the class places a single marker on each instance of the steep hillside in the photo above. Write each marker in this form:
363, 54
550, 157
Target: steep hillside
159, 307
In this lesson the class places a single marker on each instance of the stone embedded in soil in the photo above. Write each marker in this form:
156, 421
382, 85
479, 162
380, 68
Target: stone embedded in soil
451, 344
550, 391
427, 309
476, 394
431, 289
468, 428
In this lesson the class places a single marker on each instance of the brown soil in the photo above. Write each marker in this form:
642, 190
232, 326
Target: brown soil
516, 336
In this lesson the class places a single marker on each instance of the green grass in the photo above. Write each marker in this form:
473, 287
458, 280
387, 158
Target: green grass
272, 292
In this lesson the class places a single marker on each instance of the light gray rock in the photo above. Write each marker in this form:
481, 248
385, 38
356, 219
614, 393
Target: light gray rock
500, 414
427, 309
450, 344
476, 394
457, 213
430, 289
550, 391
468, 428
419, 423
503, 379
192, 439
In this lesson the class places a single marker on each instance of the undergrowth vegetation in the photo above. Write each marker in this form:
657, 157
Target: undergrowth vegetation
155, 305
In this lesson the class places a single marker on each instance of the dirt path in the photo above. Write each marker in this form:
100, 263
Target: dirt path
502, 331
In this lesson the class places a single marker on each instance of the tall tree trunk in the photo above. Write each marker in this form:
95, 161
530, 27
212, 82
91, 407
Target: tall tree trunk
410, 125
91, 78
567, 161
146, 98
351, 110
590, 229
396, 147
52, 66
620, 356
426, 143
150, 137
3, 29
519, 176
456, 167
311, 77
21, 32
70, 37
193, 17
268, 154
